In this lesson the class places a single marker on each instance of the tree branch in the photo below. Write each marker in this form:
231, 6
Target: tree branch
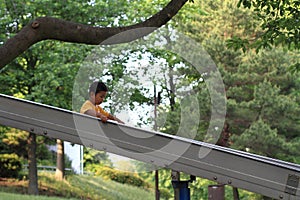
46, 28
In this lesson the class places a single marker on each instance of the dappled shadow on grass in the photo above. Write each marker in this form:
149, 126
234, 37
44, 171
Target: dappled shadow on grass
11, 185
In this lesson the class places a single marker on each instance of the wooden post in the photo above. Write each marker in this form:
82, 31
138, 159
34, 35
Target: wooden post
176, 177
216, 192
157, 193
235, 193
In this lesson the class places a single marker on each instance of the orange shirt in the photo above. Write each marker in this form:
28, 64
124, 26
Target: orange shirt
88, 105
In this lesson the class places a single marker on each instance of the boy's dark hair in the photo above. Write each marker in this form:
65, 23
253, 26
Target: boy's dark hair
97, 87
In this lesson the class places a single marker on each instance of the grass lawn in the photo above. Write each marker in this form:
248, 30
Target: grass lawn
73, 187
11, 196
83, 187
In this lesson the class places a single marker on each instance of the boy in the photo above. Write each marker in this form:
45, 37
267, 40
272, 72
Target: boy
97, 93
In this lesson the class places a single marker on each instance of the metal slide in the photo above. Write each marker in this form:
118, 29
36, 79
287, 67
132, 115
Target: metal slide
270, 177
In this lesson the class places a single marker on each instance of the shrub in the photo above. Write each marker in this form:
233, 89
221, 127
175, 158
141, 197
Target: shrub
165, 193
122, 177
10, 165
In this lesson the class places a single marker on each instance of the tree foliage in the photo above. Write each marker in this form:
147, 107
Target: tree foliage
280, 22
260, 89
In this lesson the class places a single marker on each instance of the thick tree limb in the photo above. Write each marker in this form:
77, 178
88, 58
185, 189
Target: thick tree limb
45, 28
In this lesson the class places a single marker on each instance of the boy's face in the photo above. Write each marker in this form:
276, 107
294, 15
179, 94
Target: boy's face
98, 98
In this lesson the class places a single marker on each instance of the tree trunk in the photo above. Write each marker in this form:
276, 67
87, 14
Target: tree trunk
60, 160
172, 88
33, 178
174, 174
156, 102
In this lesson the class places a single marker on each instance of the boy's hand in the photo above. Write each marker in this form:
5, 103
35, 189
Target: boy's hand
102, 117
120, 121
115, 119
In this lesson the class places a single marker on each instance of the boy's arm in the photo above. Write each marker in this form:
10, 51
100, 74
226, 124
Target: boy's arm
102, 116
110, 116
96, 114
